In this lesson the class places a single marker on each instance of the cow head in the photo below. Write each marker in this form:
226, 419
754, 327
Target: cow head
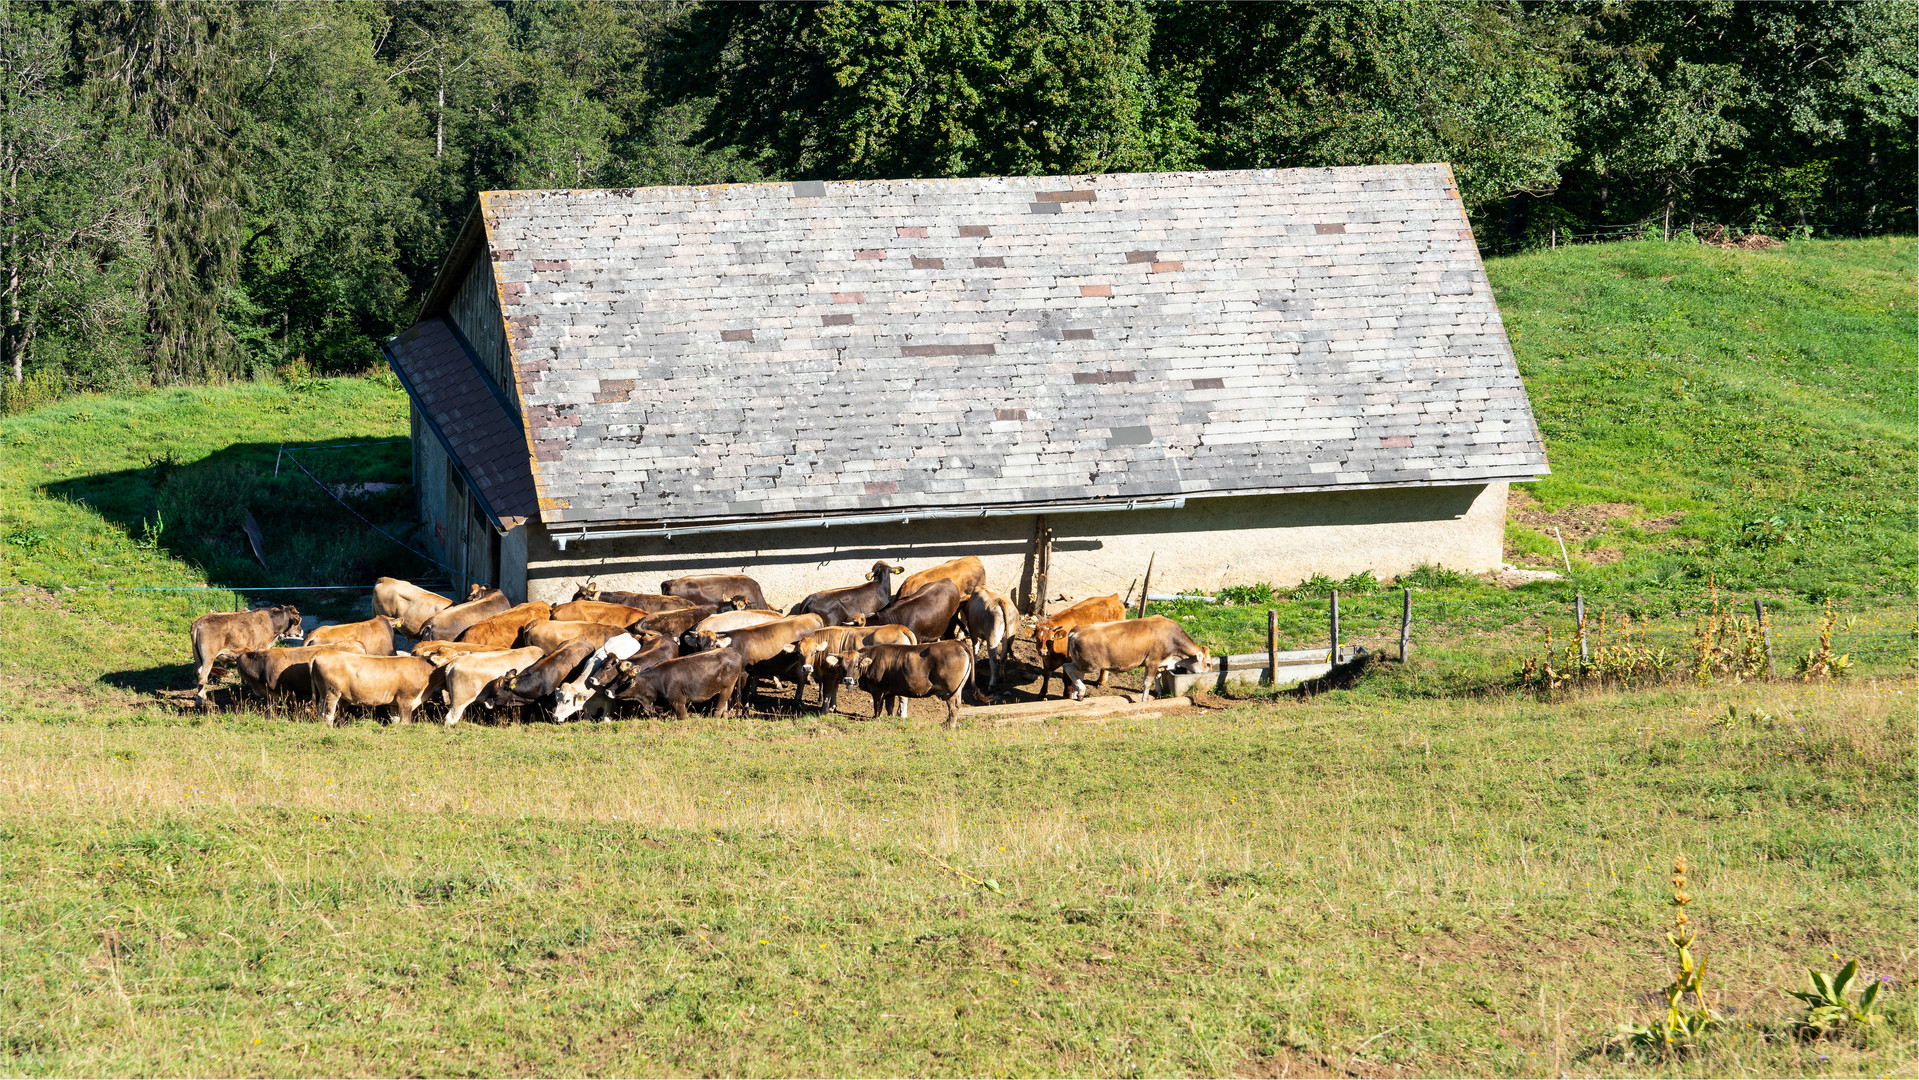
478, 590
847, 666
491, 692
703, 641
572, 698
732, 603
882, 569
286, 620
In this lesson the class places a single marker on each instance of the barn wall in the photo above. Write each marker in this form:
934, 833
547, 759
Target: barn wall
475, 310
1210, 543
430, 487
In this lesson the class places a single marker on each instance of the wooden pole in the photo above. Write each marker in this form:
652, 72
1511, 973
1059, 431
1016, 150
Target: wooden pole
1765, 629
1146, 586
1333, 658
1579, 617
1406, 625
1272, 647
1045, 541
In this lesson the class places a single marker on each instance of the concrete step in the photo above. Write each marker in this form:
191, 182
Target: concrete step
1091, 709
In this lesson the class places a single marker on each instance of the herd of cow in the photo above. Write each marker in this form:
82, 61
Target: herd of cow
699, 639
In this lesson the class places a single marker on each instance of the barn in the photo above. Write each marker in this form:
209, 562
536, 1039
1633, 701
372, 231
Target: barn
1243, 376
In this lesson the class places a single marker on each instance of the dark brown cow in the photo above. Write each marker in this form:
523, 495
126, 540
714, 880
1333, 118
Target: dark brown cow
928, 612
716, 589
400, 681
449, 624
815, 657
540, 681
587, 693
596, 611
893, 673
653, 603
407, 602
227, 633
966, 573
756, 644
551, 637
851, 605
283, 671
675, 623
1153, 644
502, 630
1050, 634
686, 680
374, 636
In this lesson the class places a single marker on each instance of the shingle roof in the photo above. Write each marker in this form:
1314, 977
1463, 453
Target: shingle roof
750, 350
472, 421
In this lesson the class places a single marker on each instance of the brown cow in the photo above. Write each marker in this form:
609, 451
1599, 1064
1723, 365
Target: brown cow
755, 644
442, 651
502, 630
1050, 634
551, 637
595, 611
815, 657
407, 602
653, 603
400, 681
585, 694
893, 673
682, 681
675, 623
226, 633
1153, 644
374, 636
283, 671
850, 606
928, 612
716, 589
991, 622
450, 623
966, 573
466, 676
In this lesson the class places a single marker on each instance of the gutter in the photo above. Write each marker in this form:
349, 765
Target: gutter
902, 517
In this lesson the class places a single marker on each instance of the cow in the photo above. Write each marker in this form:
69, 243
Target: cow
850, 606
728, 621
226, 633
407, 602
597, 611
717, 588
652, 603
451, 622
928, 612
283, 671
893, 673
1050, 635
400, 681
1153, 644
682, 681
374, 636
675, 623
755, 644
502, 630
815, 657
467, 676
442, 651
586, 692
551, 637
966, 573
539, 680
991, 622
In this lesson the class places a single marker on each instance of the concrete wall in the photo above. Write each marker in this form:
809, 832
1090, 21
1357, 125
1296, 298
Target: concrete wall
1210, 543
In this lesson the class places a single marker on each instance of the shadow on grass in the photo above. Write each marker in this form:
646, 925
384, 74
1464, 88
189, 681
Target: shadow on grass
193, 512
152, 680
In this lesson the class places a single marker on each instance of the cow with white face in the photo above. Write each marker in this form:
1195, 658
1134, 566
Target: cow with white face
583, 694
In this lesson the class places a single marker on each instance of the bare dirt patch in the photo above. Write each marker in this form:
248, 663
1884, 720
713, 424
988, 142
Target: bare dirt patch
1574, 522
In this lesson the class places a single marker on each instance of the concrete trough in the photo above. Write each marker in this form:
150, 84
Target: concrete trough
1295, 666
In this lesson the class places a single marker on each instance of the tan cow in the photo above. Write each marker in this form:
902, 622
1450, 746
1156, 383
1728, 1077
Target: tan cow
726, 621
284, 671
1153, 644
600, 612
502, 630
400, 681
441, 652
991, 623
894, 673
229, 633
451, 622
374, 636
1050, 634
407, 602
966, 573
815, 656
466, 676
551, 637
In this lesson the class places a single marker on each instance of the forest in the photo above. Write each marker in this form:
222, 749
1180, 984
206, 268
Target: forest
214, 190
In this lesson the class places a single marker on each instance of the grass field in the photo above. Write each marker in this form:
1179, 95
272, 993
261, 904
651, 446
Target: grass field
1429, 874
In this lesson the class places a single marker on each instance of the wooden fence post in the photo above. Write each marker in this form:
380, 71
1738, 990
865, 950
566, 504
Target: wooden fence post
1146, 586
1044, 539
1333, 657
1272, 647
1765, 630
1579, 618
1406, 626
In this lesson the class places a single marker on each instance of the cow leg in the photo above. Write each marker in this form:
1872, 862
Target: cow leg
403, 710
902, 701
331, 707
678, 705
